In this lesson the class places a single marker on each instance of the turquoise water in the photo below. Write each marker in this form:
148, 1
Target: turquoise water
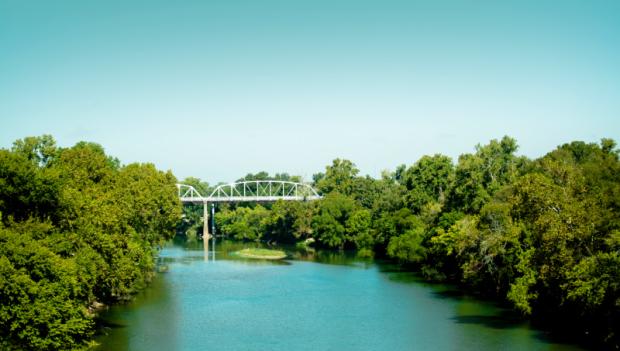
210, 300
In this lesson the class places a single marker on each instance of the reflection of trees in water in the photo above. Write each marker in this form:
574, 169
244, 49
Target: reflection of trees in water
342, 258
225, 248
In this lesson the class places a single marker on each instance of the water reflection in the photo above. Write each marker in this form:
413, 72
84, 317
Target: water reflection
205, 249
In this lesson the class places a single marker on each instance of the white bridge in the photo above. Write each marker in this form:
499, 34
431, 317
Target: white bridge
250, 191
247, 191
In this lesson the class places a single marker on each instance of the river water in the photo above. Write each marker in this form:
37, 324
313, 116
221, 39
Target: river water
210, 300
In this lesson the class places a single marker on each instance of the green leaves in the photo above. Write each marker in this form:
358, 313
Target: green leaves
39, 291
243, 223
330, 222
408, 247
428, 180
78, 228
40, 150
595, 281
478, 176
339, 177
522, 291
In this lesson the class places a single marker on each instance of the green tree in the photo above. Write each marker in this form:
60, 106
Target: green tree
244, 223
428, 180
478, 176
329, 224
40, 150
289, 221
25, 190
76, 228
358, 228
339, 177
408, 247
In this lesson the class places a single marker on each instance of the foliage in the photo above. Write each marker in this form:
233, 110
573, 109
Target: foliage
478, 176
428, 180
339, 177
76, 228
408, 247
243, 223
330, 222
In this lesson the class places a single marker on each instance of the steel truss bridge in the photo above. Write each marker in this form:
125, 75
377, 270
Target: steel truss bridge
250, 191
247, 191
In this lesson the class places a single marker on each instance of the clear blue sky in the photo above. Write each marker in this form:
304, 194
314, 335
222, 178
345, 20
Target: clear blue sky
216, 89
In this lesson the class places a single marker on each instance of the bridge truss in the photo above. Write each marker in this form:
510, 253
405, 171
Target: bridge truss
247, 191
251, 191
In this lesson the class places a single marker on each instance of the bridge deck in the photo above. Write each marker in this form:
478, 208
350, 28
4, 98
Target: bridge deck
200, 200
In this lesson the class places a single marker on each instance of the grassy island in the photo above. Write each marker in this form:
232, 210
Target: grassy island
265, 254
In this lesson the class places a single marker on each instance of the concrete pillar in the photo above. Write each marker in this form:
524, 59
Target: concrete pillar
205, 229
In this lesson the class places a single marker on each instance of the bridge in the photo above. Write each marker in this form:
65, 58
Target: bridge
247, 191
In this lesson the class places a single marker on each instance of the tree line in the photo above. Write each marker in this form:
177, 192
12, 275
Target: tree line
77, 230
542, 235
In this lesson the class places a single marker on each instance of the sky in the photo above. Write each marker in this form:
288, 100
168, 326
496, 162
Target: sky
219, 89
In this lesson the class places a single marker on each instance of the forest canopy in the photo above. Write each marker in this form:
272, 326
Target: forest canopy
77, 229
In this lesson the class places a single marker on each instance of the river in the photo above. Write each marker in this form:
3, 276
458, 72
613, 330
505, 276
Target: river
210, 300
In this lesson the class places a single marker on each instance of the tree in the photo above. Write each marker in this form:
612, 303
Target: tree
244, 223
478, 176
329, 225
76, 228
489, 249
408, 247
289, 221
26, 190
40, 150
151, 205
358, 228
339, 177
428, 180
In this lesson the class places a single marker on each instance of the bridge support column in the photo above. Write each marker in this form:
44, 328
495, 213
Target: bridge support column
205, 229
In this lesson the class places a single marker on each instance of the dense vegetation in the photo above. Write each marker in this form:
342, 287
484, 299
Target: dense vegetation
542, 235
77, 229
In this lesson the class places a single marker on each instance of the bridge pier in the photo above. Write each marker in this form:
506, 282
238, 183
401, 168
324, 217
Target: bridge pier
205, 219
